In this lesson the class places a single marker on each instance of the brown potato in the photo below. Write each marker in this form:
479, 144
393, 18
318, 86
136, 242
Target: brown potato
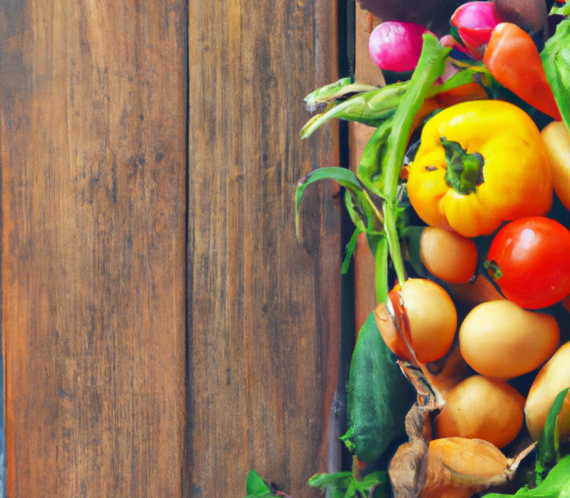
500, 339
448, 255
482, 408
553, 378
432, 318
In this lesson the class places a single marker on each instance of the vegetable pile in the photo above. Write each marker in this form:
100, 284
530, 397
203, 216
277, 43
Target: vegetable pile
463, 193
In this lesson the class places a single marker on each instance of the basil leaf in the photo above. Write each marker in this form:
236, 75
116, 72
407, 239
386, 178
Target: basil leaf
379, 396
556, 60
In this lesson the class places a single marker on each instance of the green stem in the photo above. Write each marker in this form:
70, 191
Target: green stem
430, 66
394, 240
381, 268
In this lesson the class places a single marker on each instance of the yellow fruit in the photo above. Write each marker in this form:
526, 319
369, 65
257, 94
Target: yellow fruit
482, 408
500, 339
448, 255
553, 378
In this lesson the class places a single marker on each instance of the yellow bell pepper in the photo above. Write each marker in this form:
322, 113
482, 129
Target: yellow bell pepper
479, 164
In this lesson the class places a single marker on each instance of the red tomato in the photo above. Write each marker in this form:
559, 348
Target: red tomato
530, 261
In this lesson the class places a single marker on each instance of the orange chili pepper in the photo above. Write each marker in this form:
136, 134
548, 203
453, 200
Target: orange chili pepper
513, 59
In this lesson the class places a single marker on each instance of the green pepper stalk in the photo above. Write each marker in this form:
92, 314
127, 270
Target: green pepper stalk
431, 65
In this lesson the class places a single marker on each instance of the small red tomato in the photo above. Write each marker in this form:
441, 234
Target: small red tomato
529, 260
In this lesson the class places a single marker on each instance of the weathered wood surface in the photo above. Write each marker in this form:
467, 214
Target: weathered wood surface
163, 329
93, 100
263, 309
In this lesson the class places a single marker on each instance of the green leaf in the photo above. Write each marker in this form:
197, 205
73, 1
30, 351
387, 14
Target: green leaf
556, 61
337, 90
350, 248
369, 169
556, 484
344, 485
255, 486
379, 396
547, 450
341, 175
323, 481
413, 237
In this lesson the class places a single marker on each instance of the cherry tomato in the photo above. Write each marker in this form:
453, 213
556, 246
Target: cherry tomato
529, 260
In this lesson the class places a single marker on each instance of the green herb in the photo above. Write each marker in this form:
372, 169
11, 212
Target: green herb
344, 485
556, 61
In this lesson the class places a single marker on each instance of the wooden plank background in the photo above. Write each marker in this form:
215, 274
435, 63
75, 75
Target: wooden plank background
93, 133
264, 310
163, 330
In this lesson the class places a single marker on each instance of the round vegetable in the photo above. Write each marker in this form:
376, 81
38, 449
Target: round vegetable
396, 46
448, 255
464, 177
475, 22
553, 378
432, 318
482, 408
529, 260
500, 339
427, 316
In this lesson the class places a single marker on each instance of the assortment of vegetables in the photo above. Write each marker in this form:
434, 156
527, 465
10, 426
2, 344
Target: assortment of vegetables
463, 193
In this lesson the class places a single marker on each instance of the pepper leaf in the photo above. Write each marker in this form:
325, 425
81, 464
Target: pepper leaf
547, 451
378, 395
556, 61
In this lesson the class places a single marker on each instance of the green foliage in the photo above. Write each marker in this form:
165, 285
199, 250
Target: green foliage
556, 485
379, 396
255, 486
335, 91
547, 451
344, 485
346, 178
556, 61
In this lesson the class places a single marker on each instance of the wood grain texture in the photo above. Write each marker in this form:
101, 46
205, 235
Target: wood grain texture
263, 309
365, 71
93, 100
